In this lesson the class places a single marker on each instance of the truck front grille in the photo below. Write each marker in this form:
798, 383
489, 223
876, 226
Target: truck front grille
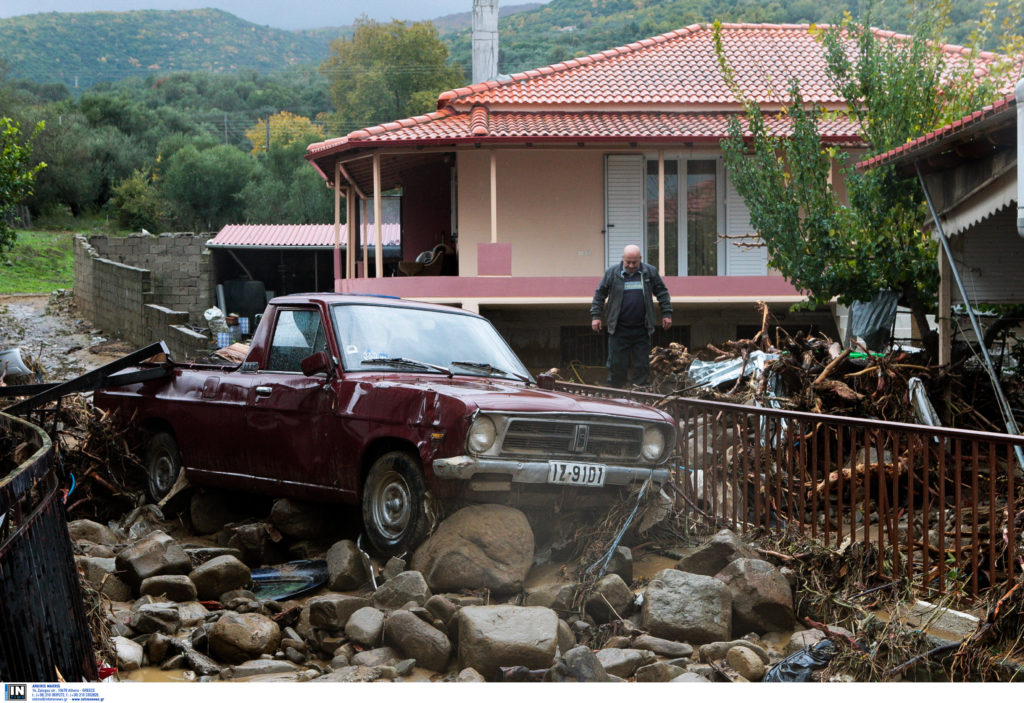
566, 439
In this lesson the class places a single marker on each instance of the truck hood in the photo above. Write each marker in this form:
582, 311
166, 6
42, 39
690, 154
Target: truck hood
507, 396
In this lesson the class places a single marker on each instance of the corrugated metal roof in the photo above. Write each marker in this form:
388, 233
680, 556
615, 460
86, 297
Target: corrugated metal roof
297, 236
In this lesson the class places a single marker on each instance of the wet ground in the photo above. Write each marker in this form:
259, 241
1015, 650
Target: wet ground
52, 339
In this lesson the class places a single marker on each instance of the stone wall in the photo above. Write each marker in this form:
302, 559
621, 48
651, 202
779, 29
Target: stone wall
146, 288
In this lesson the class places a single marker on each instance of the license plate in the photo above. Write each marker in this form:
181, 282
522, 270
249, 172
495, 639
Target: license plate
568, 473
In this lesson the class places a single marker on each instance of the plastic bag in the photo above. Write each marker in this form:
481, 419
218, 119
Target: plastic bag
799, 667
215, 318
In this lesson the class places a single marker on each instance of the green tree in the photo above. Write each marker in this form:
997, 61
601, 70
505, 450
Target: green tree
896, 91
386, 72
285, 130
204, 187
138, 204
17, 174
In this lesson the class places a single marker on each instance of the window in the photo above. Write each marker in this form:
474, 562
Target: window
297, 334
691, 244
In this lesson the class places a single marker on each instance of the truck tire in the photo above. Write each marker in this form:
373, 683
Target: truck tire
395, 504
163, 465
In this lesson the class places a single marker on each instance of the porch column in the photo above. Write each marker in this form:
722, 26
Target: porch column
945, 310
350, 231
377, 226
494, 197
661, 212
337, 227
362, 237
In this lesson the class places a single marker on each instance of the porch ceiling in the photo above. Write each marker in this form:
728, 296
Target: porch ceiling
393, 166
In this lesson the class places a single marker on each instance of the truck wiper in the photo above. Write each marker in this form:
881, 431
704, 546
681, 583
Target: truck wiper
488, 367
406, 363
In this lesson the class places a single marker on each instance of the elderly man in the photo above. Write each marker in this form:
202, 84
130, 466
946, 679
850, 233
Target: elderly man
629, 288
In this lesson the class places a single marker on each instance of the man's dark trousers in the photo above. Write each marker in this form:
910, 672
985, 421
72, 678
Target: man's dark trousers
629, 351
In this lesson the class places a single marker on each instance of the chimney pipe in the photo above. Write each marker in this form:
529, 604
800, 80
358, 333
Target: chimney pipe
1019, 93
485, 40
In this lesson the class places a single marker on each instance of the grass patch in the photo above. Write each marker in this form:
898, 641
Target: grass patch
40, 262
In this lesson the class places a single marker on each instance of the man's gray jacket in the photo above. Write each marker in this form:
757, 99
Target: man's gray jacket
612, 287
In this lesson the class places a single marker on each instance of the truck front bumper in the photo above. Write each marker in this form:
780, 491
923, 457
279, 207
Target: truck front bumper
467, 467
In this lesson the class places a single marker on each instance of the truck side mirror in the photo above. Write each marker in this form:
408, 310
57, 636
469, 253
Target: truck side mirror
316, 363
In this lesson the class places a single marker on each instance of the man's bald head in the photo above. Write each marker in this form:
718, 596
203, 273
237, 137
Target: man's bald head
631, 258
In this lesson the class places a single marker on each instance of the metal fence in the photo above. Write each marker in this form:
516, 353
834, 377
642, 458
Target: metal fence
942, 506
44, 633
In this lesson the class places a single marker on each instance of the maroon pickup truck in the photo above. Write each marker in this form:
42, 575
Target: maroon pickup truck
387, 404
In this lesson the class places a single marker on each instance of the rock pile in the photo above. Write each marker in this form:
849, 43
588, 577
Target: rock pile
173, 606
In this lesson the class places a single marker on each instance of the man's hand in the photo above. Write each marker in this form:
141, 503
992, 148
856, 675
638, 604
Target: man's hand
666, 322
596, 325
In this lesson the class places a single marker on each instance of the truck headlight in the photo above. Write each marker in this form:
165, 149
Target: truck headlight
654, 443
481, 435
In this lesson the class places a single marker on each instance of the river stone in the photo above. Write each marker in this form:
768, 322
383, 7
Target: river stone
469, 675
687, 607
407, 586
128, 652
156, 617
176, 587
492, 636
762, 600
690, 677
578, 664
624, 662
365, 626
557, 596
666, 648
331, 611
718, 650
101, 574
350, 674
479, 546
746, 663
658, 672
219, 575
715, 554
610, 600
621, 563
300, 520
345, 566
93, 532
258, 667
156, 553
238, 637
414, 638
805, 638
380, 656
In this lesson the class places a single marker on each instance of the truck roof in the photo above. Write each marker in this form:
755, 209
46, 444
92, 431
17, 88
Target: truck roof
333, 298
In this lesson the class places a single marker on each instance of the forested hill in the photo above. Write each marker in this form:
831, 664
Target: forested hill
82, 49
86, 48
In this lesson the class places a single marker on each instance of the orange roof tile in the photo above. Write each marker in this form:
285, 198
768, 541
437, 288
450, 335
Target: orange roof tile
665, 87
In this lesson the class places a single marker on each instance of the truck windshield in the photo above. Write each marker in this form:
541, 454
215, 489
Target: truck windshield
368, 333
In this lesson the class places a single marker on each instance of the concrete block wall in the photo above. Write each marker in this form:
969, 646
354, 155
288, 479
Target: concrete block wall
123, 298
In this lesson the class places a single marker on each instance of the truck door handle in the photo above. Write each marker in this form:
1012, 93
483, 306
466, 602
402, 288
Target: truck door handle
264, 391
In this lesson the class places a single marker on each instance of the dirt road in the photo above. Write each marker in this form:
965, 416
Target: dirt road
52, 339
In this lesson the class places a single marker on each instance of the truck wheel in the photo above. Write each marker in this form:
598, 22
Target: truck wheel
394, 504
163, 465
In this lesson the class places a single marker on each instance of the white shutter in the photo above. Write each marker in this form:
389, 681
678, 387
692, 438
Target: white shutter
741, 260
624, 204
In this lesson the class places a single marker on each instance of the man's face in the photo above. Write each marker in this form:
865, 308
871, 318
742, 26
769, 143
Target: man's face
631, 262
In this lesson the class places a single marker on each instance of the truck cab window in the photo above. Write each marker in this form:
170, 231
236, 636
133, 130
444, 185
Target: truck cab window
298, 334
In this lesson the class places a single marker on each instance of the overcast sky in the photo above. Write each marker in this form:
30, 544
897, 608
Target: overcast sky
284, 14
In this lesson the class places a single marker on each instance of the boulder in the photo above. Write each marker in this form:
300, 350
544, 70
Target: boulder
379, 656
579, 664
365, 626
658, 672
92, 531
257, 667
155, 617
802, 639
300, 520
492, 636
219, 575
416, 639
621, 563
715, 554
762, 600
624, 662
666, 648
746, 663
407, 586
557, 596
610, 600
479, 546
238, 637
346, 569
176, 587
259, 543
688, 607
101, 574
156, 553
128, 652
331, 611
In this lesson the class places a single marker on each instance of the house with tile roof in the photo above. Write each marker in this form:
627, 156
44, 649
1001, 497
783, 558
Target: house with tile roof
538, 180
970, 171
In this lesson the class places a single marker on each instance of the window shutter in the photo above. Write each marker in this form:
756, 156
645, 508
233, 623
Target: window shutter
741, 260
624, 204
